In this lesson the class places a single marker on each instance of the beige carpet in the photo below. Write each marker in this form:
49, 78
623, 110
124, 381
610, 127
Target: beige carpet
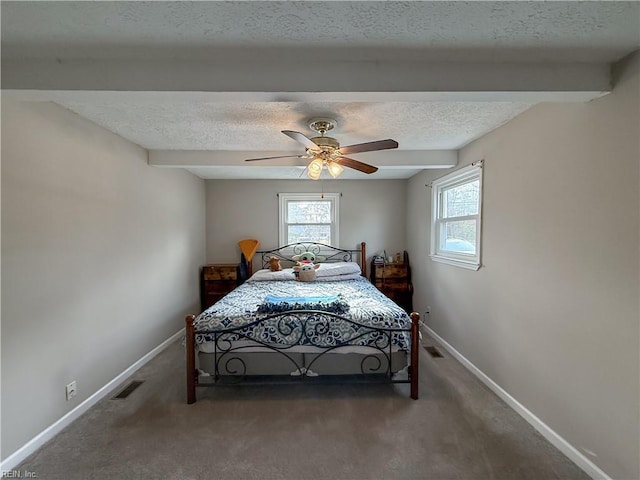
458, 429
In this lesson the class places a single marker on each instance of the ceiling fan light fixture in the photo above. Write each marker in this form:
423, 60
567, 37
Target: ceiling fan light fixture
335, 169
315, 169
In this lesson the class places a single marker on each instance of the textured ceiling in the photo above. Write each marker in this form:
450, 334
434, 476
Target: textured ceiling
582, 31
330, 35
257, 126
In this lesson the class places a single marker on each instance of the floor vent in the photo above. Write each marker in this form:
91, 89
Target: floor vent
434, 352
128, 390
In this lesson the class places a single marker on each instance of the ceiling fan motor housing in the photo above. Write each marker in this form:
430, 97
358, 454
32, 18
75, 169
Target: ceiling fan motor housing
329, 142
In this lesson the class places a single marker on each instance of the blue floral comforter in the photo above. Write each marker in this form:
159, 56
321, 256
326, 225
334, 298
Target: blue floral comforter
367, 307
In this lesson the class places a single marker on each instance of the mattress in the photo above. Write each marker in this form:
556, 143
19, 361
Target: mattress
371, 321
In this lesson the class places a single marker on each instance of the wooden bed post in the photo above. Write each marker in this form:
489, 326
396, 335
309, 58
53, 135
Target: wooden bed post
363, 258
415, 353
191, 358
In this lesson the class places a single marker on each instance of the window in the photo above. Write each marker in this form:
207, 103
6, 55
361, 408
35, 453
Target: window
456, 217
309, 217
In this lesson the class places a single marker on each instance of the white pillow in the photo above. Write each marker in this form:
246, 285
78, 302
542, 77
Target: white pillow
266, 275
340, 278
337, 268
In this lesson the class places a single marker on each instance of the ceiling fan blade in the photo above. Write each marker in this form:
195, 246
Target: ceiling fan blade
355, 164
300, 138
369, 146
271, 158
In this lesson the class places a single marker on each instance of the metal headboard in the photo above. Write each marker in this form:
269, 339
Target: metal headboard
330, 254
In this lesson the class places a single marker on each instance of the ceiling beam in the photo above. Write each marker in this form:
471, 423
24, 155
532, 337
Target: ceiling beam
278, 75
147, 97
389, 159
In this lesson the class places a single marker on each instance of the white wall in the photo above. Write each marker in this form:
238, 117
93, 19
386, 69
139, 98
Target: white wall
371, 211
100, 257
553, 316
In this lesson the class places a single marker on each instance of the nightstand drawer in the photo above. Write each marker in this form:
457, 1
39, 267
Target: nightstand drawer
392, 285
222, 286
220, 272
391, 270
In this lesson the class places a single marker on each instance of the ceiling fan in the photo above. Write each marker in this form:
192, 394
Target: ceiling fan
327, 152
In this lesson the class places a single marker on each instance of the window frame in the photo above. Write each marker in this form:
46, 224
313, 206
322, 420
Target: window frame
284, 198
461, 176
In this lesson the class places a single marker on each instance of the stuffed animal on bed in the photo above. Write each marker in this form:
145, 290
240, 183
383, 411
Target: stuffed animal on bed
306, 258
306, 272
274, 264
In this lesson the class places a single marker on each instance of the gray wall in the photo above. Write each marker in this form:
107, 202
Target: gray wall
100, 254
552, 316
371, 211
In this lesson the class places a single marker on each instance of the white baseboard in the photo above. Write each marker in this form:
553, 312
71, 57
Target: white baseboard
556, 440
36, 442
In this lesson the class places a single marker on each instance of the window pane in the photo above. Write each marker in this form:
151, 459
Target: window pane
309, 211
309, 233
461, 200
459, 237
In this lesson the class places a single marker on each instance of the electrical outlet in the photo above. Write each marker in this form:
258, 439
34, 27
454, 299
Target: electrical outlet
71, 390
428, 311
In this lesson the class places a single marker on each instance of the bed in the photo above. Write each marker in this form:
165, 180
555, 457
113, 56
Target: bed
275, 329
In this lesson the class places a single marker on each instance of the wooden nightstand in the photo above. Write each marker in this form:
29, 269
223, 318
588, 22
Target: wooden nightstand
394, 280
216, 281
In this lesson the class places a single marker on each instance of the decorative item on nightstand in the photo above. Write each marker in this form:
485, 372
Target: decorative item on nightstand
394, 280
216, 281
379, 259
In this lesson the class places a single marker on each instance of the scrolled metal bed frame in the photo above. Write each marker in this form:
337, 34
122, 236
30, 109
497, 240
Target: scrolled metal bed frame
308, 328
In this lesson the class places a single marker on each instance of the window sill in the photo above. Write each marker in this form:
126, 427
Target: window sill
470, 265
